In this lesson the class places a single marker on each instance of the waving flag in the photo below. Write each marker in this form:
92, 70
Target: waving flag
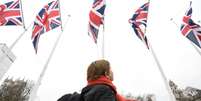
10, 13
190, 29
96, 18
47, 19
139, 22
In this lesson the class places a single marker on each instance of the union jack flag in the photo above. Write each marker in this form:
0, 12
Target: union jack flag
96, 18
10, 13
190, 29
139, 22
47, 19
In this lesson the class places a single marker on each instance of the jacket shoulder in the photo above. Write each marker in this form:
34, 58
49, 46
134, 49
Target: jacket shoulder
98, 92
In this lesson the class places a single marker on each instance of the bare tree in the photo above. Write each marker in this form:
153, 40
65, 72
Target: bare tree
145, 97
187, 94
15, 90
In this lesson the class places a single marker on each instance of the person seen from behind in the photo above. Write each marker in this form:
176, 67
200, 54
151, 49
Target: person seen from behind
99, 83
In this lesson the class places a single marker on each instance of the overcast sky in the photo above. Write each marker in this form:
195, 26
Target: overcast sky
135, 70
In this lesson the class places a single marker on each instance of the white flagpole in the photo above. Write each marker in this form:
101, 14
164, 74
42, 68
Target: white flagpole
195, 47
103, 36
38, 83
171, 19
19, 37
8, 51
172, 97
22, 14
97, 48
60, 14
25, 29
103, 42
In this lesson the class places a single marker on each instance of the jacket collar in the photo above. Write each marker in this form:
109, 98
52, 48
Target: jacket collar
102, 80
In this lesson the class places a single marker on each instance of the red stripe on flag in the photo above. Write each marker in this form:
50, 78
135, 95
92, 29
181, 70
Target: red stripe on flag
12, 13
53, 14
186, 29
47, 25
95, 18
142, 16
186, 19
199, 36
35, 31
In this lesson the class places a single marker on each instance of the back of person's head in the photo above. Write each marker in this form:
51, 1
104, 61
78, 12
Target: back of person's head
98, 68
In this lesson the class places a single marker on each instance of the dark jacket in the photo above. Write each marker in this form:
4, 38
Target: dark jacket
98, 92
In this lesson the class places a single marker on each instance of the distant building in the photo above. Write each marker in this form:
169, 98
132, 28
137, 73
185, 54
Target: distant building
6, 59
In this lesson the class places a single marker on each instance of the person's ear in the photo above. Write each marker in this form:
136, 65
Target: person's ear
106, 74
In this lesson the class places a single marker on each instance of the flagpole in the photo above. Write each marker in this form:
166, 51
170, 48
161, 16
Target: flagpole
103, 36
38, 83
172, 97
97, 48
19, 37
60, 14
22, 14
25, 29
171, 19
103, 42
195, 47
